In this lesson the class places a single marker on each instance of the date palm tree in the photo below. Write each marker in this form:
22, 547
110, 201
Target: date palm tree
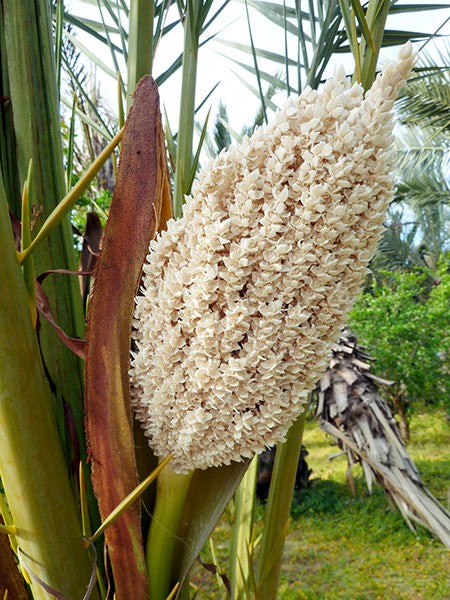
46, 395
418, 229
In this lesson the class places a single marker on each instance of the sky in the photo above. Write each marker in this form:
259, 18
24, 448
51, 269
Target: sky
215, 58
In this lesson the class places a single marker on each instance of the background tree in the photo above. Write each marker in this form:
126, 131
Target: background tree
402, 316
419, 221
403, 319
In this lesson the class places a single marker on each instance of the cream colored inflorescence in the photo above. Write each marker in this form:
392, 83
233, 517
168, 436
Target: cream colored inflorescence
243, 297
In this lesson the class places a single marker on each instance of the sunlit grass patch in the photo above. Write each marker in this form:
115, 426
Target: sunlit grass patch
358, 547
430, 449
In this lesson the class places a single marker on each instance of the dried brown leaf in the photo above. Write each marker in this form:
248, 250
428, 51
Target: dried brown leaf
133, 220
43, 306
90, 250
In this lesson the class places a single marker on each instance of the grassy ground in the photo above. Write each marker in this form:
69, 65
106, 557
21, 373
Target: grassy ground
358, 548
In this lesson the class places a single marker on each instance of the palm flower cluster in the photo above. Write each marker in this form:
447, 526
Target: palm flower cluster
243, 297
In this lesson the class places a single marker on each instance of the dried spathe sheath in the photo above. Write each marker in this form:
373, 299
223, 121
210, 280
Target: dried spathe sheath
245, 294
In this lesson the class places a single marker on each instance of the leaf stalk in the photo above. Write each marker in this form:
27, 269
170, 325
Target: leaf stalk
277, 512
58, 214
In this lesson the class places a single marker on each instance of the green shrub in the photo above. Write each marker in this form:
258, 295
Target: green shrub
404, 321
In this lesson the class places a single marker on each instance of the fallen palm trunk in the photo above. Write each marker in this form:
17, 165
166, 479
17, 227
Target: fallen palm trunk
353, 412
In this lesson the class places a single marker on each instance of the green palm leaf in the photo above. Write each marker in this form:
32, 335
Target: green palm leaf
423, 190
260, 52
426, 101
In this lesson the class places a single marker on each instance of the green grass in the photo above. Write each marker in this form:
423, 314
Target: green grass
357, 548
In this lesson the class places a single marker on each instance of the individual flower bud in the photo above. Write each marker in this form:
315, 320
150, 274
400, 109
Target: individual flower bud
243, 297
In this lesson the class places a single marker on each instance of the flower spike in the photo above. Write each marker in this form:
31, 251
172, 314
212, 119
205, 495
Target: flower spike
243, 296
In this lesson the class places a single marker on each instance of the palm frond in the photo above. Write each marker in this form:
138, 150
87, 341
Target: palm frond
317, 31
435, 225
397, 249
423, 190
221, 134
425, 101
420, 150
426, 157
259, 117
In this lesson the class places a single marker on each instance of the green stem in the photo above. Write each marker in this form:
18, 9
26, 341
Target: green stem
8, 529
240, 566
171, 494
130, 499
7, 518
277, 512
8, 156
28, 267
34, 98
255, 64
328, 32
59, 29
61, 210
140, 43
32, 467
376, 16
187, 110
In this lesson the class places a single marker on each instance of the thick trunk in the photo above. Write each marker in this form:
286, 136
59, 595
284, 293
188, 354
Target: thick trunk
32, 468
